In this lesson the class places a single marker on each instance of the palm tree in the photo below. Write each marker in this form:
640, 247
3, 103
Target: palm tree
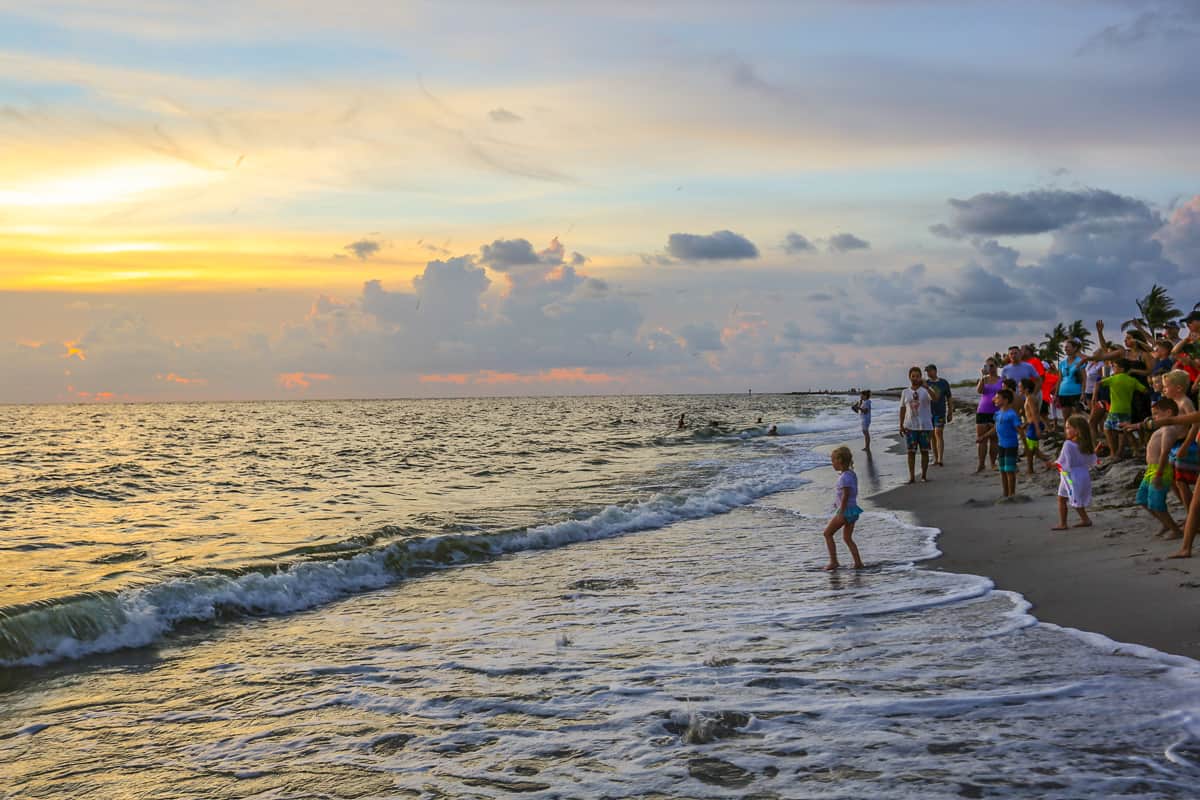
1079, 332
1051, 346
1157, 309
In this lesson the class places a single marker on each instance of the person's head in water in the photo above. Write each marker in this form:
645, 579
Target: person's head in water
774, 431
759, 421
842, 459
914, 376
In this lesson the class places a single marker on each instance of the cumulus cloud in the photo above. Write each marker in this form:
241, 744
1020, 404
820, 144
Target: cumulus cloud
795, 244
503, 115
1039, 211
363, 248
846, 242
717, 246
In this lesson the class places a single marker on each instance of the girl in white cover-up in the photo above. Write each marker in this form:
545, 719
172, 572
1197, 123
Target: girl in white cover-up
1075, 461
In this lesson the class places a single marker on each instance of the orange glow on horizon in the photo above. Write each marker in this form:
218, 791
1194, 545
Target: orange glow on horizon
300, 380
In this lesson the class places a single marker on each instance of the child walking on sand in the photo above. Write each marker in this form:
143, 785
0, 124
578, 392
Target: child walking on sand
1157, 480
846, 510
1075, 460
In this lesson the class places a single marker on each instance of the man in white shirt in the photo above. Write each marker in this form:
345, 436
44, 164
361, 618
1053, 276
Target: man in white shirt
916, 422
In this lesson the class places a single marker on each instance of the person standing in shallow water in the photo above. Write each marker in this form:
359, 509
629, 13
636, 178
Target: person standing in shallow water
916, 423
863, 408
845, 508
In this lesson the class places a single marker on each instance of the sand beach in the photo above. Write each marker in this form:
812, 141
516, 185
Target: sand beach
1113, 578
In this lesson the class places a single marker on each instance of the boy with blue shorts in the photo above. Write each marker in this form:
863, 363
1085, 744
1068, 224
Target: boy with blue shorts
1007, 426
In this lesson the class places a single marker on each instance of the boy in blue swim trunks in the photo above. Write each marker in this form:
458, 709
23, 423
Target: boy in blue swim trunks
1007, 426
846, 511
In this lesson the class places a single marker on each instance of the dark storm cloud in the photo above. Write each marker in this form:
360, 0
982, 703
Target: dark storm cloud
796, 244
363, 248
1040, 211
718, 246
503, 115
846, 242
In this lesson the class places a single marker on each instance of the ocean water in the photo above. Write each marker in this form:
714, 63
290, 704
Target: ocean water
532, 597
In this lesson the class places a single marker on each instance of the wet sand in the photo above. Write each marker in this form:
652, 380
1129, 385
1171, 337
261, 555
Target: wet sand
1113, 578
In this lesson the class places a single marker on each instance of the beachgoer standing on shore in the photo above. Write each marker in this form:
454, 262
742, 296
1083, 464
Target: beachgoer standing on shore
1075, 461
1159, 475
1016, 369
989, 383
1185, 456
863, 409
845, 509
1121, 389
1192, 525
1007, 427
942, 410
1034, 427
1072, 373
916, 423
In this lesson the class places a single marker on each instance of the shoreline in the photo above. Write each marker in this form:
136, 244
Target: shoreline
1113, 578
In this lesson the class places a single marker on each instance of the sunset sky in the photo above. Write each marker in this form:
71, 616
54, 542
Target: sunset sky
265, 199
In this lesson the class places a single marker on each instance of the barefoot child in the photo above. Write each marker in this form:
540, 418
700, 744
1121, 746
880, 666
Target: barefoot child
1007, 426
1034, 426
1157, 480
846, 510
1075, 460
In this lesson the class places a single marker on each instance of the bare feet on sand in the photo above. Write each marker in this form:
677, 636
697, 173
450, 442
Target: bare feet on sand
1181, 554
1082, 525
1059, 528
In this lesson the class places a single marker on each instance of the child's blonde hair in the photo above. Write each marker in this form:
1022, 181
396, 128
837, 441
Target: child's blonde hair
843, 455
1083, 433
1178, 378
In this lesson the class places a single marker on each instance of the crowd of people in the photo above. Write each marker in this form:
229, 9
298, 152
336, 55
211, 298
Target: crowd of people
1135, 399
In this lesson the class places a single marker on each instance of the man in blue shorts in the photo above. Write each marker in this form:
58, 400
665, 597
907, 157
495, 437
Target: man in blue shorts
916, 423
942, 410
